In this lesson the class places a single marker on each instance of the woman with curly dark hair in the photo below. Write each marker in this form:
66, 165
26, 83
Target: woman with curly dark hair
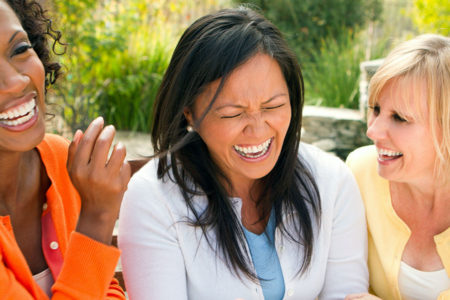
55, 228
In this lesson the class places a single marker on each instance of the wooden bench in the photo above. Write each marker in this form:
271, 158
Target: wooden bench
118, 274
135, 166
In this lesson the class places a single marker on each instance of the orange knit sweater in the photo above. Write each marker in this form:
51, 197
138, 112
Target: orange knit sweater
82, 267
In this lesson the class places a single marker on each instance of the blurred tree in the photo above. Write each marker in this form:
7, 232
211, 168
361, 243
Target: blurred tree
117, 52
307, 23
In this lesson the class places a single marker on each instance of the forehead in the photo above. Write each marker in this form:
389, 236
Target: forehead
256, 80
407, 95
8, 20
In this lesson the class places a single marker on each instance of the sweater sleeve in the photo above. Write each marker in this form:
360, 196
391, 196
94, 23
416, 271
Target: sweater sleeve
88, 271
88, 267
10, 286
345, 228
152, 261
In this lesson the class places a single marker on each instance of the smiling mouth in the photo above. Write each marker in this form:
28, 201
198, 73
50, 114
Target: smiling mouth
384, 154
254, 151
19, 115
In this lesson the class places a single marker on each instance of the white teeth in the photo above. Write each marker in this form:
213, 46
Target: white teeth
388, 152
20, 120
254, 151
22, 111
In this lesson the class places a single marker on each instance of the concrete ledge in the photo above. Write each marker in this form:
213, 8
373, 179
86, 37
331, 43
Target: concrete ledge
335, 130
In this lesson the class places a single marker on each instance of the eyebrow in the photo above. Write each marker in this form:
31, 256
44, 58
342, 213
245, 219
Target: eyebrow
240, 106
14, 35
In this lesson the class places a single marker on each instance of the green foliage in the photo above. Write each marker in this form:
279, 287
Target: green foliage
306, 23
324, 36
116, 55
432, 16
332, 78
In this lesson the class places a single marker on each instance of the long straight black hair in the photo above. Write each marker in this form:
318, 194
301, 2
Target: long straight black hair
210, 49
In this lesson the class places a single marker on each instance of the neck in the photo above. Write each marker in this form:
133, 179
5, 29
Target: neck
20, 176
246, 189
430, 196
254, 214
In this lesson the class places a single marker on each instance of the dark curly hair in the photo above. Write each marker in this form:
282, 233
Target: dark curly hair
40, 33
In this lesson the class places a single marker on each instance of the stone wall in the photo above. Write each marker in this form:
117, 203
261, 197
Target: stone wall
336, 130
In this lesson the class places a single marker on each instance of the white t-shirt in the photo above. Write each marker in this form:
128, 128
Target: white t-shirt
45, 281
419, 285
163, 257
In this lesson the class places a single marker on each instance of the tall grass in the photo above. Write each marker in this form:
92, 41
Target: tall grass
116, 56
332, 79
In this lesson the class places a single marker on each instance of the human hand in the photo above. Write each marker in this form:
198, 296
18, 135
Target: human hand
101, 182
363, 296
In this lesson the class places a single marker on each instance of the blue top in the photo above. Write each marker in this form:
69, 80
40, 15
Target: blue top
265, 260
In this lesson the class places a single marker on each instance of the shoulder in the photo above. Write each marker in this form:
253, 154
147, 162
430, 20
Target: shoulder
146, 179
363, 163
53, 144
147, 193
150, 204
53, 152
321, 164
361, 157
334, 180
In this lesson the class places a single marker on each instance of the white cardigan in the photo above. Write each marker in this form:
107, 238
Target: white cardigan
165, 258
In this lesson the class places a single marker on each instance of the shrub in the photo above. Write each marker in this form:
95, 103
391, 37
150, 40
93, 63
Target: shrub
116, 55
307, 23
332, 78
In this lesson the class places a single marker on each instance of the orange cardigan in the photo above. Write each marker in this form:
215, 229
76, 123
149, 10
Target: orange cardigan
82, 267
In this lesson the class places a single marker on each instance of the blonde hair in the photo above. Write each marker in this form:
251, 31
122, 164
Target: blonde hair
425, 60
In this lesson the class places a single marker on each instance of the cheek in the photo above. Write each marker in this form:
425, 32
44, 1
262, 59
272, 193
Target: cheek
35, 70
40, 77
280, 121
219, 135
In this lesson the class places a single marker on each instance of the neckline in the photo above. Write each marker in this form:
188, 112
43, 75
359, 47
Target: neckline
269, 230
417, 271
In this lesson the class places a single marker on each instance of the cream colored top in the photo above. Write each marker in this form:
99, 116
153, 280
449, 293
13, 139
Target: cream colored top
387, 233
419, 285
45, 281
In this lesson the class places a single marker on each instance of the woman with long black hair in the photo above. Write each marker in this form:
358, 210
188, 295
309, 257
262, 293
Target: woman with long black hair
233, 206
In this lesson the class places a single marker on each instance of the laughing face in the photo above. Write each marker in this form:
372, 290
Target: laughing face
22, 80
245, 128
400, 129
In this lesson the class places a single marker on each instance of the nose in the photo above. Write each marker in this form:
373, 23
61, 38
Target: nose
255, 124
12, 80
377, 128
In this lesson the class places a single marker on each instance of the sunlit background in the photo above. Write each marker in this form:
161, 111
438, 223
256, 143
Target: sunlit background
117, 50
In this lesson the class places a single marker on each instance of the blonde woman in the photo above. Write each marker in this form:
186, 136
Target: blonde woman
405, 177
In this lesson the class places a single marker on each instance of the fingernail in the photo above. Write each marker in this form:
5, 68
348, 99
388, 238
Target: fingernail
119, 145
108, 130
98, 120
77, 136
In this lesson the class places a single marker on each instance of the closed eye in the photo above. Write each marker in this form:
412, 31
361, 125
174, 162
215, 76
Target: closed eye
398, 118
230, 117
273, 107
22, 49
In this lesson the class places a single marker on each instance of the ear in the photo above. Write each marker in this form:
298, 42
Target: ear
188, 115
